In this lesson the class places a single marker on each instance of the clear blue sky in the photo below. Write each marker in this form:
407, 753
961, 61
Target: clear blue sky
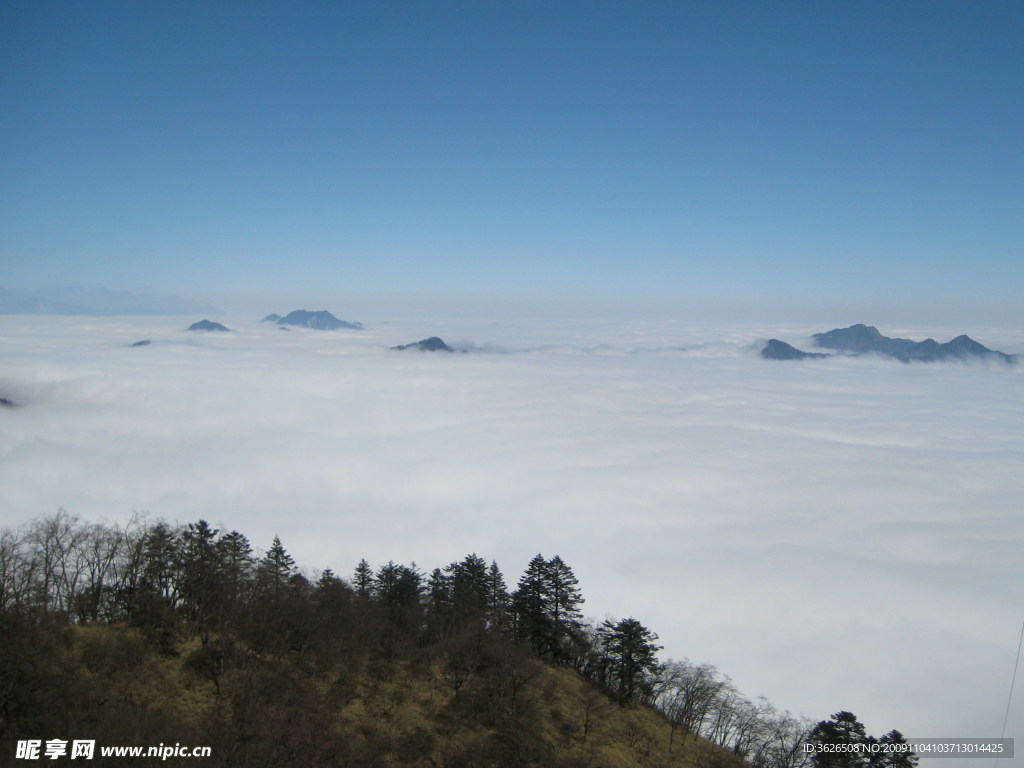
655, 151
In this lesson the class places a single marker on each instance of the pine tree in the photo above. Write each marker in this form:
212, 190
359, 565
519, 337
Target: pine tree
842, 730
497, 599
362, 579
385, 583
632, 658
160, 568
398, 590
235, 553
200, 576
530, 605
275, 569
398, 586
563, 606
151, 604
468, 580
438, 603
546, 607
327, 579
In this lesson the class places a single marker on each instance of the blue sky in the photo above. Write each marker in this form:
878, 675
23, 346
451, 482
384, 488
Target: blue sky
654, 153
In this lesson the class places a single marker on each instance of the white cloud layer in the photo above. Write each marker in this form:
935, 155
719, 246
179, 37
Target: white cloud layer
832, 534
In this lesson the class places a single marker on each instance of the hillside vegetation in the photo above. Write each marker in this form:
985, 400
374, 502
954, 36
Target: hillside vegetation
151, 634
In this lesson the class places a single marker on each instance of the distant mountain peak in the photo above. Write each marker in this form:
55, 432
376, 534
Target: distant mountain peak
208, 325
967, 344
861, 339
869, 331
321, 320
780, 350
433, 344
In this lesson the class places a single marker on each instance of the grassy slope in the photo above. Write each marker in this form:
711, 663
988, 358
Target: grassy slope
429, 709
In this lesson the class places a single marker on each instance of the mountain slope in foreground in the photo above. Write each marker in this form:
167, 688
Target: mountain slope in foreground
470, 704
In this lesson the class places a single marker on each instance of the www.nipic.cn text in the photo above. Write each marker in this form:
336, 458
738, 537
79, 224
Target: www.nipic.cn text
52, 749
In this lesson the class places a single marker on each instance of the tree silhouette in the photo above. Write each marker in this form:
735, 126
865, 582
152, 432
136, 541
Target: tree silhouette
362, 578
200, 572
546, 607
632, 658
842, 730
275, 569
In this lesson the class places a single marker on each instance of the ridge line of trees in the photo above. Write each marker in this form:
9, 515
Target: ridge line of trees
194, 581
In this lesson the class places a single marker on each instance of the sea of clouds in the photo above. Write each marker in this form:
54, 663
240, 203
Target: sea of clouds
832, 534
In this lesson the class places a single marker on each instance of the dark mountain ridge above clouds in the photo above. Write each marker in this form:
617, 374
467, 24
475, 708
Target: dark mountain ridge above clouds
208, 325
780, 350
321, 320
862, 339
96, 301
433, 344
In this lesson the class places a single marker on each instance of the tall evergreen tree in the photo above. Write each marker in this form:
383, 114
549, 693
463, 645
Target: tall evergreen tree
563, 606
200, 572
438, 604
844, 731
236, 560
398, 586
546, 607
497, 599
160, 570
469, 589
385, 583
632, 658
398, 590
275, 569
150, 604
530, 605
362, 579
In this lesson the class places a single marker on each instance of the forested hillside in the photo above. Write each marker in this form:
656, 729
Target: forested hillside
157, 634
